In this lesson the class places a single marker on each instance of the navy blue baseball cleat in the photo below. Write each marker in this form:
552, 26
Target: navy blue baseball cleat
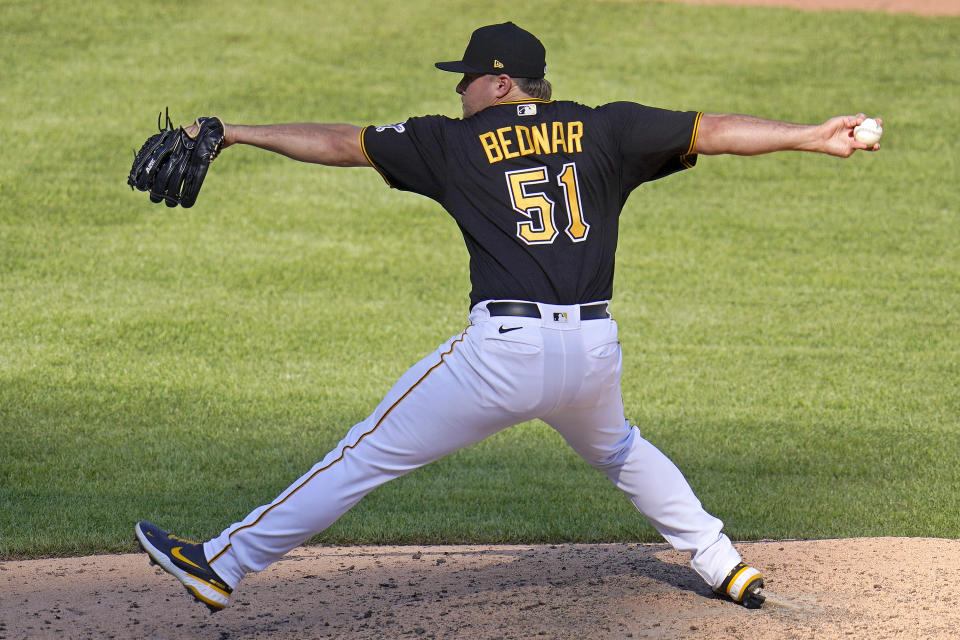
184, 560
743, 585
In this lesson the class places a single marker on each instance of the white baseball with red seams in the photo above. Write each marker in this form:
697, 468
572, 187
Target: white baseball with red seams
868, 132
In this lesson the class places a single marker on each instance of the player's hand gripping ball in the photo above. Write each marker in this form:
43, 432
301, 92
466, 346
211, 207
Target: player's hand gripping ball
869, 132
172, 164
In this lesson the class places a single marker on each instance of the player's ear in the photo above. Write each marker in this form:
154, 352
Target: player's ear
504, 85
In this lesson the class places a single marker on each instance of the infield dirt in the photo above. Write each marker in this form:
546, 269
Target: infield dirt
876, 588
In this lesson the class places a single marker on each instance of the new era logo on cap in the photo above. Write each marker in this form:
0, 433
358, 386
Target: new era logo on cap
497, 64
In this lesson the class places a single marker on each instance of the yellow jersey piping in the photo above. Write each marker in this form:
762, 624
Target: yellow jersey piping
363, 148
693, 142
523, 102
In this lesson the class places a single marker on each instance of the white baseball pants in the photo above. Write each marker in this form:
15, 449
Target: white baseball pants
501, 371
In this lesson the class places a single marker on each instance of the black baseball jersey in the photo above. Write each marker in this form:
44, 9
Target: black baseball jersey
536, 187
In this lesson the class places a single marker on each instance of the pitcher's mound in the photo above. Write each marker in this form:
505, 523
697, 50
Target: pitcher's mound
857, 588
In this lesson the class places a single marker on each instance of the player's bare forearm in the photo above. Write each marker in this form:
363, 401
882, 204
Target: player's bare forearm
748, 136
329, 144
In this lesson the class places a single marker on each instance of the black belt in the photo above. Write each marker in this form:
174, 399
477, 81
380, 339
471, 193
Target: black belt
529, 310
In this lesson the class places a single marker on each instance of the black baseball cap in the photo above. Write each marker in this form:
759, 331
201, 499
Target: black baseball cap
501, 48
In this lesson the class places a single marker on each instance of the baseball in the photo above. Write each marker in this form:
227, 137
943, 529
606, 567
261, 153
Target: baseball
869, 132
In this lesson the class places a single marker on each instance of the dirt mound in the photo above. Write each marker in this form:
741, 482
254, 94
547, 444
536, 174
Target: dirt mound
859, 588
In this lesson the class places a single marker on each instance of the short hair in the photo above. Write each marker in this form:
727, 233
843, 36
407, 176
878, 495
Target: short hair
538, 88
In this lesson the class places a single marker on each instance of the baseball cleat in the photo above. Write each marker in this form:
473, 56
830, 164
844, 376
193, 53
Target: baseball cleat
743, 585
185, 561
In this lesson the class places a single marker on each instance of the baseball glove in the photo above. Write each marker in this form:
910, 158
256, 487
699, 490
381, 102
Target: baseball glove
172, 164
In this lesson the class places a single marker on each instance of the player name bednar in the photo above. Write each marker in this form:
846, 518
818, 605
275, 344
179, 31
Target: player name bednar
519, 140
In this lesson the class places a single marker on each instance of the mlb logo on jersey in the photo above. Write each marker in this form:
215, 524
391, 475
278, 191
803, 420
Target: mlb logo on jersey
526, 109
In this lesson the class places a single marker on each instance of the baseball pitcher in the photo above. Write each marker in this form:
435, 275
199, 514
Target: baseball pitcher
536, 186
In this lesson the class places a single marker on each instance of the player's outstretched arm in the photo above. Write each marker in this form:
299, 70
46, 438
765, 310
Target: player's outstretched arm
748, 136
335, 145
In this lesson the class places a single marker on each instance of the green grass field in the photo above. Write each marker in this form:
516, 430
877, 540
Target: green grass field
791, 323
